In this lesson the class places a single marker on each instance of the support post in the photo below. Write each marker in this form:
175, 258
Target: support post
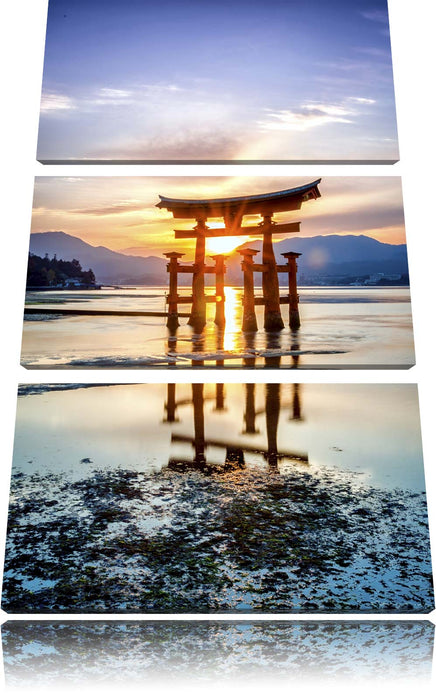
199, 441
220, 318
296, 403
197, 318
294, 315
272, 413
171, 405
219, 397
172, 268
270, 282
249, 322
250, 410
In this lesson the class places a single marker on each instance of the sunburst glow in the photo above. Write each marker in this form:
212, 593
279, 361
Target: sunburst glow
226, 244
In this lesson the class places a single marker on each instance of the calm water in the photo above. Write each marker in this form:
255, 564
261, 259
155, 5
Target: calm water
196, 498
373, 430
369, 327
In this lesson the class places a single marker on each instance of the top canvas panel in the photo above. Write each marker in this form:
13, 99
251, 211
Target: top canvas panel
241, 81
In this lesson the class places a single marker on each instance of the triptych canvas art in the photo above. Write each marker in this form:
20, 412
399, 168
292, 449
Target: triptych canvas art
227, 494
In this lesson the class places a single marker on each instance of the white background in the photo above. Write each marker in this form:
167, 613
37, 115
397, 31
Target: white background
413, 35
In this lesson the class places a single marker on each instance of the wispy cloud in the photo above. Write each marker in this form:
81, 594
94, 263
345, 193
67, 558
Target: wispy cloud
375, 52
379, 17
188, 144
308, 117
162, 87
56, 102
135, 94
53, 102
313, 114
121, 207
375, 16
363, 100
112, 96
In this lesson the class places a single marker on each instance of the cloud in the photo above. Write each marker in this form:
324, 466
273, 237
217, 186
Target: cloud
376, 16
161, 87
55, 102
309, 116
362, 100
112, 96
375, 52
133, 95
188, 145
122, 207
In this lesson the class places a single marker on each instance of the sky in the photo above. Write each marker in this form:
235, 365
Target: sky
217, 80
120, 212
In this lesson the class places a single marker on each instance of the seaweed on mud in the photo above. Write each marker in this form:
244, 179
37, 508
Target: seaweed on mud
121, 540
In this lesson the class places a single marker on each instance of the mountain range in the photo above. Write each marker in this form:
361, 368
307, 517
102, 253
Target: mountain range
323, 257
109, 267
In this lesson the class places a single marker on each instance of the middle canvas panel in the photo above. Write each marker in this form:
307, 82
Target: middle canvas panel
218, 271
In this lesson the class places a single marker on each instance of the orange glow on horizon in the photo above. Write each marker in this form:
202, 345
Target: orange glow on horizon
226, 244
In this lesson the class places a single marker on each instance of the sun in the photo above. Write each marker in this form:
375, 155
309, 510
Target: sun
226, 244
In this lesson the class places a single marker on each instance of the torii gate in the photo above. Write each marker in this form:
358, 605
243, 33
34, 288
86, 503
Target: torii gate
232, 210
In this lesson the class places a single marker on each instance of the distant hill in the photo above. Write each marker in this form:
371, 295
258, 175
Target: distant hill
108, 266
323, 258
334, 256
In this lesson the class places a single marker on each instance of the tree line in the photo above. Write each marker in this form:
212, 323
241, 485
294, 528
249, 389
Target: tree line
51, 272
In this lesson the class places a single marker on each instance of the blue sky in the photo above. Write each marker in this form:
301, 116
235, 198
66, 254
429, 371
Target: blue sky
193, 79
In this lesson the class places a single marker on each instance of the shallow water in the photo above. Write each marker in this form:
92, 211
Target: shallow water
218, 497
370, 429
344, 326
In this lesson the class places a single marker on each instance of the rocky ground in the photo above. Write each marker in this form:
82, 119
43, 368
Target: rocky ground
246, 539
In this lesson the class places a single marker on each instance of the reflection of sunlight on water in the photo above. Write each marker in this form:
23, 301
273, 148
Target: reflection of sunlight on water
359, 326
233, 315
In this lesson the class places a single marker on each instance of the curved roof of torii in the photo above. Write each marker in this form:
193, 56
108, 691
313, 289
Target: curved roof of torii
266, 204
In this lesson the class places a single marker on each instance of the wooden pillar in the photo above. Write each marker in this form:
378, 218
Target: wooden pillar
250, 410
294, 315
220, 318
270, 281
272, 412
172, 268
171, 405
295, 347
219, 397
220, 345
296, 403
172, 348
272, 342
197, 318
249, 322
197, 347
198, 404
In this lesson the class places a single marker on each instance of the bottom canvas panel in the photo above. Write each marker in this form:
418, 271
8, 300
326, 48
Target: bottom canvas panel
212, 497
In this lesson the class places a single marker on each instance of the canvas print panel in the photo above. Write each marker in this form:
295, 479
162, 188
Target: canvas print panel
197, 498
234, 272
60, 653
228, 81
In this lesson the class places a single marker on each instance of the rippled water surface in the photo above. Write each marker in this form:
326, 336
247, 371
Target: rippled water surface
342, 326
